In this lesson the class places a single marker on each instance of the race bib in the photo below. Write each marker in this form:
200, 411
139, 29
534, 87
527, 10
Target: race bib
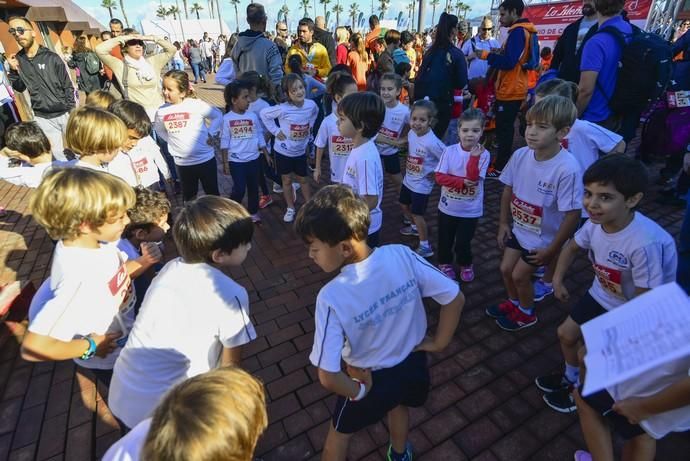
141, 166
241, 129
609, 279
299, 132
175, 123
466, 193
341, 146
120, 287
526, 215
414, 165
388, 133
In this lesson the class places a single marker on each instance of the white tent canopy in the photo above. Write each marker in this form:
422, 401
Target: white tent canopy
190, 28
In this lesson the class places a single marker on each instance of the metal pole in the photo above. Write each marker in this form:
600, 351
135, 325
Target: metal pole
420, 18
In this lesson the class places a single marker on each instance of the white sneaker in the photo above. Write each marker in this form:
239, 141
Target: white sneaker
277, 189
289, 215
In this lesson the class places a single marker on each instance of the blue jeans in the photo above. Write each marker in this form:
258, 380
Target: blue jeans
199, 71
683, 273
177, 65
245, 176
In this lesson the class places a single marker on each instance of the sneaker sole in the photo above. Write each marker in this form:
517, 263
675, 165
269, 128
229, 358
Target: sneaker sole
546, 389
409, 234
543, 297
559, 409
493, 316
521, 327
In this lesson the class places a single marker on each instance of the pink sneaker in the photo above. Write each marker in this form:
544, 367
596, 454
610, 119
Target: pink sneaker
581, 455
467, 273
448, 271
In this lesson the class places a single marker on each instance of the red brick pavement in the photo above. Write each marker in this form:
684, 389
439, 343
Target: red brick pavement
483, 404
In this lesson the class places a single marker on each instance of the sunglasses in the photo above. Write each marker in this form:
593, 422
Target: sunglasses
134, 42
282, 30
17, 31
488, 29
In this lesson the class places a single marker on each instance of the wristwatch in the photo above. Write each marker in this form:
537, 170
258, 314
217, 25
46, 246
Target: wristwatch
91, 350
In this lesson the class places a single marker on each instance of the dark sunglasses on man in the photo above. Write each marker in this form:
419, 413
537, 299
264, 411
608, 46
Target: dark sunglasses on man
487, 29
17, 30
134, 41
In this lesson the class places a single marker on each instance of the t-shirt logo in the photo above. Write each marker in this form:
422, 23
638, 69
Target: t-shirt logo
120, 287
242, 129
341, 145
388, 133
175, 123
545, 187
526, 215
618, 258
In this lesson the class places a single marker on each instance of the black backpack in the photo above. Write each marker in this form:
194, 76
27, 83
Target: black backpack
92, 63
644, 71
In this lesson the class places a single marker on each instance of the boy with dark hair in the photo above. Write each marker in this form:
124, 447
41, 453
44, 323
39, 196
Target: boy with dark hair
25, 142
629, 252
372, 318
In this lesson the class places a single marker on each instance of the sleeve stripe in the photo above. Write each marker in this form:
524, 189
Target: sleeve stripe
245, 320
323, 340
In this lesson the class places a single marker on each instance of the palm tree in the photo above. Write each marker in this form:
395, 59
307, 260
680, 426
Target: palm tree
465, 9
162, 12
383, 7
337, 9
325, 6
195, 9
237, 17
124, 15
434, 4
110, 5
210, 8
305, 6
354, 11
284, 10
184, 7
410, 14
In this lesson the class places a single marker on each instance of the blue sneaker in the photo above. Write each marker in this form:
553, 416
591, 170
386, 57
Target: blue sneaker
516, 320
407, 456
542, 290
539, 273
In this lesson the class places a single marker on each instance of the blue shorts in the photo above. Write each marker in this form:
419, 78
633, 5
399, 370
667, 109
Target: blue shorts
513, 243
602, 403
391, 163
416, 201
286, 165
405, 384
586, 309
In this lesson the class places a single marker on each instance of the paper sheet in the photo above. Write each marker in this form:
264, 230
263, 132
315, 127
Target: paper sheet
650, 330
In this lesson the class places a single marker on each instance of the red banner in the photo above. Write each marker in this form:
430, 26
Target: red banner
551, 18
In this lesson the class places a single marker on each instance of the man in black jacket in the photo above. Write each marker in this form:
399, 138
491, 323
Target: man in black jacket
568, 50
45, 75
325, 38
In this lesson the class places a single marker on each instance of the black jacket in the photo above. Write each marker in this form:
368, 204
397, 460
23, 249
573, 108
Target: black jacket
47, 79
565, 57
326, 39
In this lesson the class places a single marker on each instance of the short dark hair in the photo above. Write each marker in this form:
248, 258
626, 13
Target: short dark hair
393, 77
392, 37
20, 18
149, 208
402, 68
373, 21
211, 223
287, 82
133, 114
514, 5
256, 14
104, 33
628, 176
470, 115
306, 22
406, 37
115, 21
129, 31
333, 215
27, 138
233, 90
365, 110
609, 7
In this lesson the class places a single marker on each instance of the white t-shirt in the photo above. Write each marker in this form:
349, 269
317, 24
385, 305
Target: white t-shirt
395, 121
339, 147
88, 291
242, 135
256, 107
641, 255
184, 128
364, 174
103, 167
26, 175
542, 192
371, 314
478, 67
296, 124
468, 202
190, 312
424, 153
129, 447
147, 160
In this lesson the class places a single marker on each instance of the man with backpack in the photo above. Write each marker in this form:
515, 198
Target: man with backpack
519, 54
567, 53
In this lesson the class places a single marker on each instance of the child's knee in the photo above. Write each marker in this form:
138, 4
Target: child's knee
521, 275
569, 332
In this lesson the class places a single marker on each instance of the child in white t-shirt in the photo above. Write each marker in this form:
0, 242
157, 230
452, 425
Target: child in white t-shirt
540, 207
84, 310
424, 153
194, 317
26, 144
372, 317
392, 136
359, 117
182, 123
461, 172
140, 160
291, 123
339, 85
630, 254
242, 140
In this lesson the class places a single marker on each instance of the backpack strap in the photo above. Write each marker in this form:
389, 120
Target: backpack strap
619, 37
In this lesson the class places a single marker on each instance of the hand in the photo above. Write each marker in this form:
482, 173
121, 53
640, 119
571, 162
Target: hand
150, 253
226, 168
540, 256
13, 62
428, 344
363, 375
269, 160
560, 291
106, 343
633, 409
503, 235
477, 150
281, 136
317, 174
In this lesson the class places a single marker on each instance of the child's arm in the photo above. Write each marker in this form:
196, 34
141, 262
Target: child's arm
317, 168
41, 348
504, 217
401, 142
342, 384
150, 255
638, 409
268, 117
543, 256
231, 356
447, 324
161, 164
619, 149
159, 127
567, 256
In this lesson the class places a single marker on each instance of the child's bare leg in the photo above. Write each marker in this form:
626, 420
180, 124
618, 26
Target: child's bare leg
397, 179
640, 448
288, 193
510, 258
398, 425
335, 448
422, 229
406, 211
569, 335
306, 188
550, 269
522, 278
595, 430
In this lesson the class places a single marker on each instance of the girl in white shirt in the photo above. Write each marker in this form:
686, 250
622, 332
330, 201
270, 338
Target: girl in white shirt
392, 136
241, 140
291, 123
340, 84
190, 126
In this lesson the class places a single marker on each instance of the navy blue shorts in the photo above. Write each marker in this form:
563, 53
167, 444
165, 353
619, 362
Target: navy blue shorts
373, 239
405, 384
416, 201
286, 165
515, 245
602, 403
586, 309
391, 163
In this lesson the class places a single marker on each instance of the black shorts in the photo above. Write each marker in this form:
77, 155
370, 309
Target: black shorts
586, 309
602, 403
391, 163
415, 200
515, 245
286, 165
405, 384
373, 239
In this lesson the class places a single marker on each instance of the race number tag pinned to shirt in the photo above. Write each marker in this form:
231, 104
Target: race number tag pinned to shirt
299, 132
526, 215
388, 133
121, 287
609, 279
141, 166
175, 123
242, 129
466, 193
414, 165
341, 145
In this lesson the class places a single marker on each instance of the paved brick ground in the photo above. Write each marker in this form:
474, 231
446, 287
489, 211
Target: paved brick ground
483, 404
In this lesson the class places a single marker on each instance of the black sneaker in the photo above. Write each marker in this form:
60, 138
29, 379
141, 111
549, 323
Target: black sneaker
562, 401
553, 383
493, 173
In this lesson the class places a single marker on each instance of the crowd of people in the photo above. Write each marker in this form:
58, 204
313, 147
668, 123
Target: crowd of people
333, 117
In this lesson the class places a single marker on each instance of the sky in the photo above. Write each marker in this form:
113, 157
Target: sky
146, 9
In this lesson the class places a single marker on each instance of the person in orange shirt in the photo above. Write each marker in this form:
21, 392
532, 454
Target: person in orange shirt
376, 32
358, 60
